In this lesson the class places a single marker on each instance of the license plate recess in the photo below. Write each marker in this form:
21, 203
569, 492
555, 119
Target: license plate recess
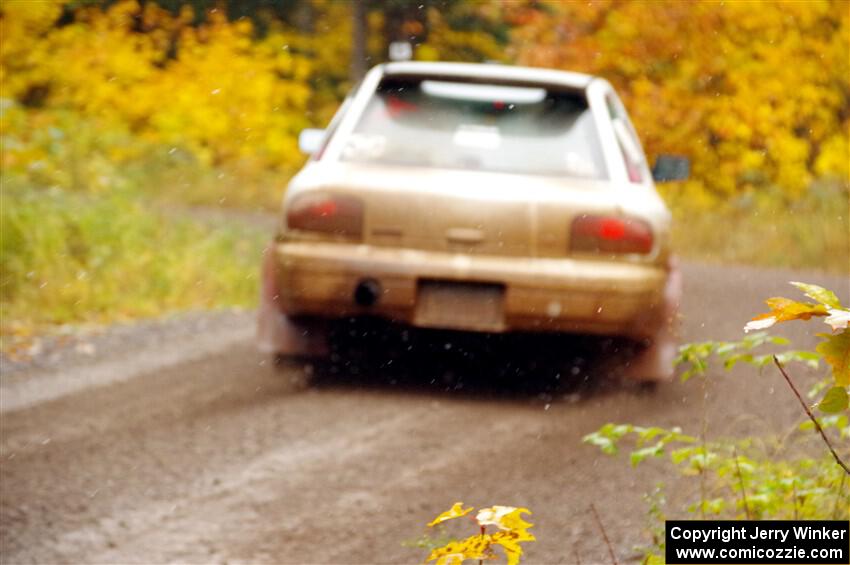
460, 305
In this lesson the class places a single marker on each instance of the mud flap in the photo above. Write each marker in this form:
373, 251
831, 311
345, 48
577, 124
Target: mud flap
654, 361
277, 333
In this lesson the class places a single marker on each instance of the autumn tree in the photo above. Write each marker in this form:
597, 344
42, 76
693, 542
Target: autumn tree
756, 93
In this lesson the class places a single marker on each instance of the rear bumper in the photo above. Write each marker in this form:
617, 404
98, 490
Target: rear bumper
319, 279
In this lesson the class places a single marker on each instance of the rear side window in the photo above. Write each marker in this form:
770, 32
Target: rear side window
331, 129
626, 140
453, 124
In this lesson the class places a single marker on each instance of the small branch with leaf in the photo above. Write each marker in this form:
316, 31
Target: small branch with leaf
834, 347
512, 531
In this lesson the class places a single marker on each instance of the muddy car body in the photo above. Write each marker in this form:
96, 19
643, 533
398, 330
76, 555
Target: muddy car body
478, 198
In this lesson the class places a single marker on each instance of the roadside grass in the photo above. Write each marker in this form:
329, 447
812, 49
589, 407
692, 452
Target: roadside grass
173, 176
98, 224
811, 233
70, 258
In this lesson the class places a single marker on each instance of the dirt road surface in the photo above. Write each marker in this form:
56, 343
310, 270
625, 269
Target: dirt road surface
193, 448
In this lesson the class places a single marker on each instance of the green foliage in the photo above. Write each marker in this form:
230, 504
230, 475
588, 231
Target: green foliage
695, 357
656, 518
834, 348
650, 441
839, 422
835, 400
773, 477
750, 478
430, 541
819, 294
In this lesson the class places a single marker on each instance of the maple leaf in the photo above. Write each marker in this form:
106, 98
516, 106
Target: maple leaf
510, 542
449, 554
785, 310
834, 401
456, 511
508, 519
514, 529
836, 351
819, 294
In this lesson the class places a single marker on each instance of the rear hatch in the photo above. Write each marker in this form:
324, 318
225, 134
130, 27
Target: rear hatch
447, 211
470, 212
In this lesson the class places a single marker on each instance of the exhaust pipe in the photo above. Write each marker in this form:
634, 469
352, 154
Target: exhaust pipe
367, 292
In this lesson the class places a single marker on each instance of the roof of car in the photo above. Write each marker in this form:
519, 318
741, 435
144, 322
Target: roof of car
489, 71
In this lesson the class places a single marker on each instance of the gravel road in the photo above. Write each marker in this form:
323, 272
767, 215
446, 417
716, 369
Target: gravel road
178, 442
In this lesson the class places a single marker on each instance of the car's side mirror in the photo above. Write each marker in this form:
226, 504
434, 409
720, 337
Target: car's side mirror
309, 140
671, 167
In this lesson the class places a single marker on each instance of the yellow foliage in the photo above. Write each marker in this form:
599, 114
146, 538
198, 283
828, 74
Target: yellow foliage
513, 531
213, 90
836, 351
454, 553
456, 511
756, 93
785, 310
447, 44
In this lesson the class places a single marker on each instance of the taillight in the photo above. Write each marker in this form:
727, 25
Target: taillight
610, 234
327, 213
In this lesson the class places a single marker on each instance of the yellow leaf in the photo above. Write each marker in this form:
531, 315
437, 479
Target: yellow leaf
785, 310
455, 511
509, 541
515, 523
834, 401
836, 351
473, 547
451, 559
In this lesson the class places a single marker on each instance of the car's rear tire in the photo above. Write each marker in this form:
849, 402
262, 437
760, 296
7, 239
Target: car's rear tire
281, 335
653, 357
651, 362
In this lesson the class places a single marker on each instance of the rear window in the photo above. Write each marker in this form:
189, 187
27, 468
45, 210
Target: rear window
465, 125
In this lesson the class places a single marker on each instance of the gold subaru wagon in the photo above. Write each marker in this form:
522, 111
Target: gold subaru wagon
479, 198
